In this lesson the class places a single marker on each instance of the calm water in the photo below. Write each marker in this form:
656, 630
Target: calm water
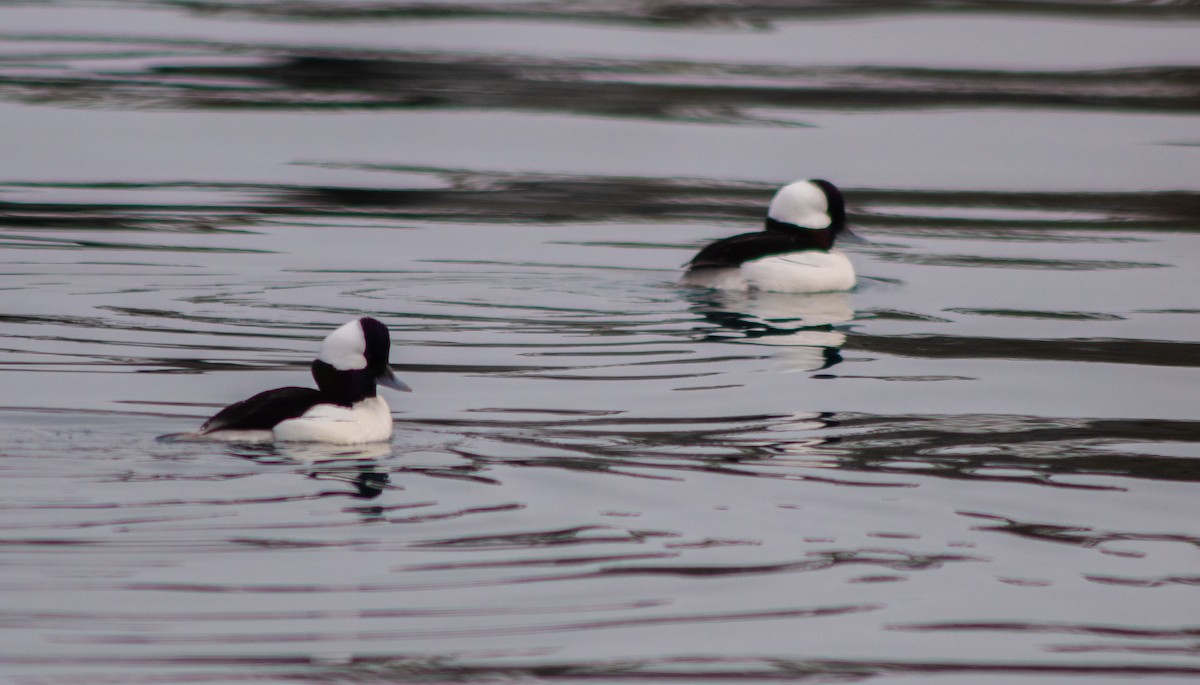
981, 466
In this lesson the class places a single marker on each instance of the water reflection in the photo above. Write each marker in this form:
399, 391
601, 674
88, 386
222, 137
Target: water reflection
230, 210
310, 452
801, 326
155, 72
835, 447
355, 466
591, 431
1059, 452
644, 90
752, 13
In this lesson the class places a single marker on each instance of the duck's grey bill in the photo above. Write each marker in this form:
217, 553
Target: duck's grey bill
851, 237
388, 380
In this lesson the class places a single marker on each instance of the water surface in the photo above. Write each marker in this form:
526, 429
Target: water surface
980, 466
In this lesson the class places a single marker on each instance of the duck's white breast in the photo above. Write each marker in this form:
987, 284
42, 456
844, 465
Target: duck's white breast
810, 271
367, 421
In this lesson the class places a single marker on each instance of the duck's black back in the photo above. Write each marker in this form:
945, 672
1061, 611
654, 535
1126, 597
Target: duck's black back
736, 250
265, 410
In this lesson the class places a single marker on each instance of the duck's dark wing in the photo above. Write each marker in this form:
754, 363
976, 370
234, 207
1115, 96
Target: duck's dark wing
264, 410
733, 251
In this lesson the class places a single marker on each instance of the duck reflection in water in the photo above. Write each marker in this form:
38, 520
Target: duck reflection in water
801, 326
356, 465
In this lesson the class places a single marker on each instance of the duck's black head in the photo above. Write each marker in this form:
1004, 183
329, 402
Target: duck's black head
353, 359
811, 206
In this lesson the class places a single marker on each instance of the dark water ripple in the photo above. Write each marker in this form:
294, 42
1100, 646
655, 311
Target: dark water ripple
297, 637
1071, 535
756, 13
439, 667
712, 92
1142, 352
1030, 449
477, 196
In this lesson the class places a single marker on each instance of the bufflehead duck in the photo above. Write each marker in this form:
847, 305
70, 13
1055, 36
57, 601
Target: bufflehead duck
344, 408
794, 254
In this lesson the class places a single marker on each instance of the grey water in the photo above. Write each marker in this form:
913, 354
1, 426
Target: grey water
980, 466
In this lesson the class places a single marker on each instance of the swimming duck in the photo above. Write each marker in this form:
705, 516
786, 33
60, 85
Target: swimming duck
793, 254
344, 408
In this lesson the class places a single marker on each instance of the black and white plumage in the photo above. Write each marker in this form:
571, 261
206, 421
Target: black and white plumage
793, 254
343, 409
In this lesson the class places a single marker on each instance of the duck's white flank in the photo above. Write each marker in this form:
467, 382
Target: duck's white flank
811, 271
369, 420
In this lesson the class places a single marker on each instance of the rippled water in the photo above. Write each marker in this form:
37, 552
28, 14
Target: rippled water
978, 467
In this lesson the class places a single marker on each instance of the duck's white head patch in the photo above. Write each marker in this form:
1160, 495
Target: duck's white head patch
345, 348
802, 203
